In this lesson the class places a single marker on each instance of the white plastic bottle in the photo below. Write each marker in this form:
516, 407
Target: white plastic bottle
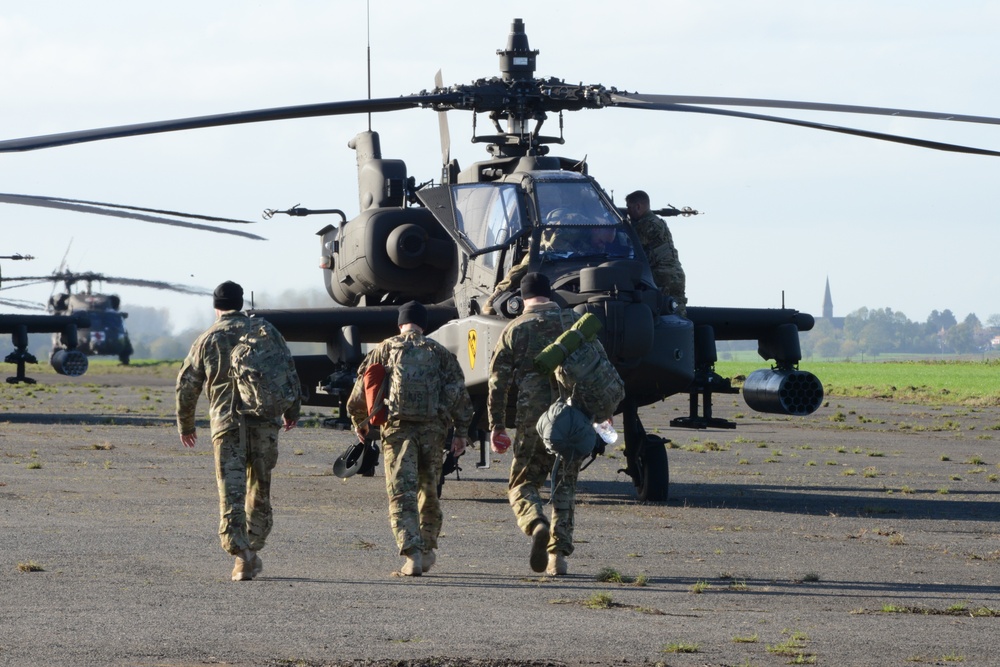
607, 432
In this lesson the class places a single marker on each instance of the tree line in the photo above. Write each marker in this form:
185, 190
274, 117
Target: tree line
869, 332
882, 331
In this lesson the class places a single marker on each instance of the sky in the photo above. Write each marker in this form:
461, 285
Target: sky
784, 208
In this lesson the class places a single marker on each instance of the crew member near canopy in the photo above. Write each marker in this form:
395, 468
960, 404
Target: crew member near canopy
658, 244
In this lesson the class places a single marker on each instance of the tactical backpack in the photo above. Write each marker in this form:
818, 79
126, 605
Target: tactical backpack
414, 380
583, 370
263, 373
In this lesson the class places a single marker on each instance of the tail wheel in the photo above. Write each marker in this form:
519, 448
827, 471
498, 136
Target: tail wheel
653, 479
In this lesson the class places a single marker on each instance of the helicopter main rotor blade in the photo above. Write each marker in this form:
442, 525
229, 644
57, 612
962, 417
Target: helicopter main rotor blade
20, 303
443, 125
72, 278
128, 212
808, 106
218, 120
154, 284
630, 102
36, 280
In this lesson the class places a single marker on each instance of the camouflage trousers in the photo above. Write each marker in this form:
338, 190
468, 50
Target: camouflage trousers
531, 466
243, 472
669, 276
413, 453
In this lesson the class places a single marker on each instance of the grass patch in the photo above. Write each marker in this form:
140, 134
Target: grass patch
599, 601
30, 566
699, 587
613, 576
956, 609
680, 647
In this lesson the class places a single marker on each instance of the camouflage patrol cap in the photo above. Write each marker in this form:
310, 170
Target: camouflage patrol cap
228, 296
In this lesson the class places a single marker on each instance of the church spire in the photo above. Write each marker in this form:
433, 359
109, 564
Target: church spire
827, 301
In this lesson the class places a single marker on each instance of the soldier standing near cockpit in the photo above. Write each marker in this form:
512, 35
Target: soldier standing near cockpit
658, 244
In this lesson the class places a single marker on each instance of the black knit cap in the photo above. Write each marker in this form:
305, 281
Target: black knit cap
228, 296
535, 284
412, 312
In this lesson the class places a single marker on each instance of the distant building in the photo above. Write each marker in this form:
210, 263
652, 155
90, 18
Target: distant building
836, 322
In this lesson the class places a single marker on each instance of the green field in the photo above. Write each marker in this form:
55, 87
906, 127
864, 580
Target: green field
924, 382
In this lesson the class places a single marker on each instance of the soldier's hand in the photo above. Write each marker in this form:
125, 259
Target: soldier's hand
458, 445
289, 424
361, 431
189, 440
499, 440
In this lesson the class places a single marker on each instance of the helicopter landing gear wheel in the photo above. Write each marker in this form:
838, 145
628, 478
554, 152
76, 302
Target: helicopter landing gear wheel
126, 354
646, 456
653, 471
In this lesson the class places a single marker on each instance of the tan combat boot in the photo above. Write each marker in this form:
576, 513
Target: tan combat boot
414, 566
428, 558
243, 569
557, 565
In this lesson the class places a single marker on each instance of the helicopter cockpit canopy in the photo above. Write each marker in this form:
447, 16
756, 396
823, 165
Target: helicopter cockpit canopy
574, 219
577, 222
488, 216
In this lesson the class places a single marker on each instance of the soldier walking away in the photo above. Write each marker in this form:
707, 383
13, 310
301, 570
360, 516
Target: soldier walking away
425, 395
246, 445
512, 365
658, 244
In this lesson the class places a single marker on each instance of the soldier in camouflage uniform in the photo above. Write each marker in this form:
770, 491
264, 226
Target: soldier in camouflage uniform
542, 322
413, 449
658, 244
242, 468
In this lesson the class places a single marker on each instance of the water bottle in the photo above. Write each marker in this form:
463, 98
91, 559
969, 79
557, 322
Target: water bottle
607, 432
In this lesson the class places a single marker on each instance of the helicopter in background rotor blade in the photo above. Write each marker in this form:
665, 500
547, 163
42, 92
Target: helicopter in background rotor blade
450, 245
105, 332
92, 326
69, 361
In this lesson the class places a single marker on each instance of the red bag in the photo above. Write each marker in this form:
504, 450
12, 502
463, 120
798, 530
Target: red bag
375, 382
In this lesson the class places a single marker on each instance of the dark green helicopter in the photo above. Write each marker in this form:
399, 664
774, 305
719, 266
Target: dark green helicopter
105, 333
449, 245
85, 324
68, 361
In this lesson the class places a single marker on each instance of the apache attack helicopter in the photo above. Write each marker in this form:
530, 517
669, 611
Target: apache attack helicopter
449, 245
106, 333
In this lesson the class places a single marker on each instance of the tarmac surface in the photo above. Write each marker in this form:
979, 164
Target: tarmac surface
865, 534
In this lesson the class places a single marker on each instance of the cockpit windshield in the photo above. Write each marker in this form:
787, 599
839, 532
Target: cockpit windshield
578, 222
487, 215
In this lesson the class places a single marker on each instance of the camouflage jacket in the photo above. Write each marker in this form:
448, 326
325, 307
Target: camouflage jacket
656, 240
455, 406
207, 364
512, 364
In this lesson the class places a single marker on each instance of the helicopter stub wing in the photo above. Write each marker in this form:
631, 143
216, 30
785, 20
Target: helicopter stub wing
320, 325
